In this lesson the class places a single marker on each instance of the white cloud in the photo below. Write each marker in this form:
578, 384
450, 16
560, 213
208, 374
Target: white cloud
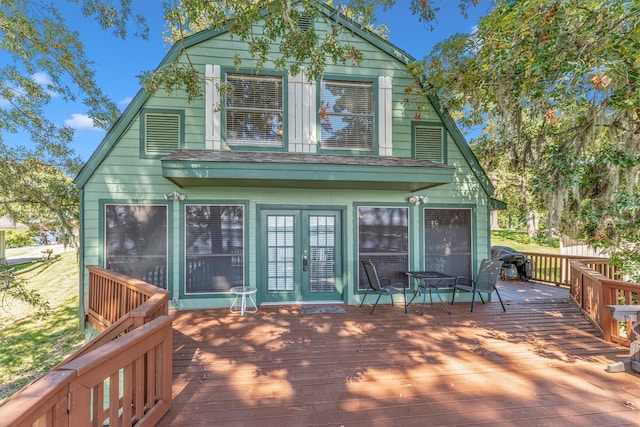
81, 122
44, 80
41, 78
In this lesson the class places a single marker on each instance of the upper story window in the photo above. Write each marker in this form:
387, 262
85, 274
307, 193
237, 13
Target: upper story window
254, 109
347, 115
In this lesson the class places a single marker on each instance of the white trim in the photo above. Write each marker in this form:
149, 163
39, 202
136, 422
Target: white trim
385, 116
212, 108
301, 114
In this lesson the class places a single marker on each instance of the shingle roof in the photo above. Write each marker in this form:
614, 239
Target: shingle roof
298, 158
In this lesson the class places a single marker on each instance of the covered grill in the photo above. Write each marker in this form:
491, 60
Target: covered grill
515, 266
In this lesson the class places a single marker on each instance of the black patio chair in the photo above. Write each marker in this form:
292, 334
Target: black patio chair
485, 281
375, 284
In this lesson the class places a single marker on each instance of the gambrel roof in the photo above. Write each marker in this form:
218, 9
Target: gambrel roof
133, 109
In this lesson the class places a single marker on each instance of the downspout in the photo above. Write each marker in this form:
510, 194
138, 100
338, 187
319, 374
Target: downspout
81, 282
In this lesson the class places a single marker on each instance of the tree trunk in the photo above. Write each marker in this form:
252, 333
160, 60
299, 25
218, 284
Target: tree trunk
532, 223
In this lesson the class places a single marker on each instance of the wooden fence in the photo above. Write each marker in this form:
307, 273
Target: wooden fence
120, 378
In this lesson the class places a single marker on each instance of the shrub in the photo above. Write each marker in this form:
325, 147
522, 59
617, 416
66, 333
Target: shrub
18, 239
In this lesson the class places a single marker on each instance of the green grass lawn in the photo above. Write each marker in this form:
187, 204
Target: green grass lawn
519, 241
29, 347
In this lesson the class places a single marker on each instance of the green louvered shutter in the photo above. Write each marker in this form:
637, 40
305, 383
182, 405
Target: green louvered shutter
162, 134
429, 143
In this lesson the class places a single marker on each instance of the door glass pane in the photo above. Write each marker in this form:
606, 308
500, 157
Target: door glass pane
214, 237
280, 250
136, 241
447, 241
383, 238
322, 267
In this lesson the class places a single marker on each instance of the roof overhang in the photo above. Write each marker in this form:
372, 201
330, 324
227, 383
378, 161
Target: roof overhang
206, 168
497, 205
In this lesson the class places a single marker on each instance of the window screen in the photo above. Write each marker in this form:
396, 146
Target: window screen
383, 238
136, 241
214, 238
254, 110
347, 115
447, 241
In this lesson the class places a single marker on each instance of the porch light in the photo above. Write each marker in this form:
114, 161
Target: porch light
175, 196
418, 200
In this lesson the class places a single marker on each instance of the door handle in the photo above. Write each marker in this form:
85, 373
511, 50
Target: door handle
305, 263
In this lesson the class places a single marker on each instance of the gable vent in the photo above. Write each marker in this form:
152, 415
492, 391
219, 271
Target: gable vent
162, 133
304, 23
429, 143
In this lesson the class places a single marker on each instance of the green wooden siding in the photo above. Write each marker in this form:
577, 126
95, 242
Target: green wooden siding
119, 174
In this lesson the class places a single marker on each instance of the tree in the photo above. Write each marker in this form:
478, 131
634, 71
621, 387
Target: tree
41, 59
559, 81
299, 44
14, 288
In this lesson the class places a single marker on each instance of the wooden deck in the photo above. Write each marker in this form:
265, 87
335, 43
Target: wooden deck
539, 364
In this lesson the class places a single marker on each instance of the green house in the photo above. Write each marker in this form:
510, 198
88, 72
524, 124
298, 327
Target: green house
283, 184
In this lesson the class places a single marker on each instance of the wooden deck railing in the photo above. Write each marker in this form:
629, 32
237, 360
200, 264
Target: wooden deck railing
594, 284
122, 377
593, 290
112, 295
554, 268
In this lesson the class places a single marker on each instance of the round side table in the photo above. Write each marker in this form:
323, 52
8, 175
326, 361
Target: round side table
239, 304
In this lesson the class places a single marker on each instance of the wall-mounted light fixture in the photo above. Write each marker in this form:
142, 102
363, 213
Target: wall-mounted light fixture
175, 196
418, 200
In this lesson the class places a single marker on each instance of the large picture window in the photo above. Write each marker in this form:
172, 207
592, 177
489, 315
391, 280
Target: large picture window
347, 118
447, 241
383, 238
136, 241
214, 238
254, 109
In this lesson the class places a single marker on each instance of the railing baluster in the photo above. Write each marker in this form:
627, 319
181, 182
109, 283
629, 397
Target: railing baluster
117, 304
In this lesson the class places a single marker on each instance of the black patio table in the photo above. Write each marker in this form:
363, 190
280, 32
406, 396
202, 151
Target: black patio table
430, 280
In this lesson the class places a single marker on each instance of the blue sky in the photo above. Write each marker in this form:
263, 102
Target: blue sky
118, 62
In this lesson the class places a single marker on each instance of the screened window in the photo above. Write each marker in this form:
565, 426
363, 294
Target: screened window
254, 109
214, 247
383, 238
447, 241
136, 241
347, 118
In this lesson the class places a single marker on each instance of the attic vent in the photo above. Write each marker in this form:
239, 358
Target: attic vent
304, 23
428, 142
162, 133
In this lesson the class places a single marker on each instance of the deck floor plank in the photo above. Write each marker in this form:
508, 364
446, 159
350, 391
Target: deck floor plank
540, 363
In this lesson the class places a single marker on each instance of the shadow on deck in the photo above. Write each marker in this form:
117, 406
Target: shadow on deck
540, 363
